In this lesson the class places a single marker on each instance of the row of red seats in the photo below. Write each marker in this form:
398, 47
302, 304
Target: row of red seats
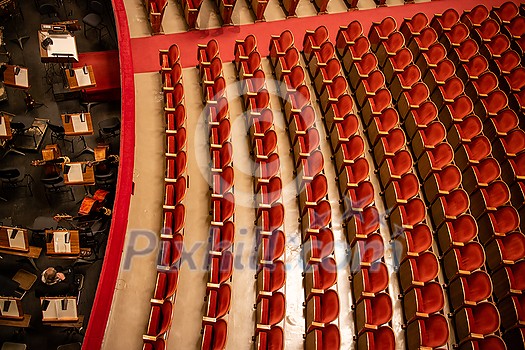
503, 251
222, 231
463, 256
270, 302
155, 10
373, 309
322, 300
401, 190
172, 234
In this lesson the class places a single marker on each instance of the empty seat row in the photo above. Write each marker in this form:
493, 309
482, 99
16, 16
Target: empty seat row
155, 10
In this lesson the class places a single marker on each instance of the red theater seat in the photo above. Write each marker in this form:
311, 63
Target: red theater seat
389, 145
175, 167
428, 138
498, 223
306, 145
396, 64
505, 250
473, 152
343, 132
373, 312
421, 302
272, 339
477, 321
320, 57
214, 335
310, 167
362, 224
417, 271
159, 321
349, 152
457, 232
361, 69
313, 40
381, 338
486, 31
421, 43
473, 68
497, 45
279, 44
509, 146
420, 118
381, 30
480, 175
509, 280
507, 62
319, 246
438, 75
206, 53
413, 26
450, 206
490, 198
219, 301
435, 160
365, 252
413, 242
464, 132
481, 87
355, 52
353, 174
393, 168
339, 111
270, 310
174, 220
269, 193
446, 94
462, 261
512, 310
457, 34
366, 283
271, 219
407, 215
400, 191
272, 248
381, 125
430, 58
514, 82
320, 277
327, 74
171, 77
442, 183
270, 279
476, 16
505, 12
405, 80
389, 47
159, 344
412, 99
376, 104
514, 169
314, 191
243, 48
221, 269
169, 57
317, 217
488, 343
321, 310
326, 338
332, 92
301, 122
469, 290
166, 285
464, 52
429, 332
360, 197
347, 35
176, 119
222, 237
222, 209
456, 111
444, 21
285, 62
369, 86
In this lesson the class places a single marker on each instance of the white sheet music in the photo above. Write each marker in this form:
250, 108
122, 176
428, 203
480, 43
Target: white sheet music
59, 242
82, 79
3, 129
18, 241
78, 125
54, 310
13, 309
62, 45
21, 79
75, 173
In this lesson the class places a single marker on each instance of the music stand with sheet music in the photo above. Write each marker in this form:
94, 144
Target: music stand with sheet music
16, 77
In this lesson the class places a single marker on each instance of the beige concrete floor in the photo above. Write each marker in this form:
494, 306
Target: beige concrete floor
131, 303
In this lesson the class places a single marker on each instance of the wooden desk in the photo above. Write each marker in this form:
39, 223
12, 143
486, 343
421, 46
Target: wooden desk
63, 49
20, 80
69, 324
75, 119
88, 175
19, 243
33, 253
74, 242
5, 127
78, 80
24, 323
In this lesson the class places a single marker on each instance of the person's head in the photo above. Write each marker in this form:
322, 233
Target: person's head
49, 276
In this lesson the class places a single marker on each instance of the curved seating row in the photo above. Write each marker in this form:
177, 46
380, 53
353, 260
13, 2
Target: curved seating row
322, 300
270, 302
372, 303
175, 186
222, 207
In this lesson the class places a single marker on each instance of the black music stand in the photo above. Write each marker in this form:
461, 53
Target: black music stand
13, 14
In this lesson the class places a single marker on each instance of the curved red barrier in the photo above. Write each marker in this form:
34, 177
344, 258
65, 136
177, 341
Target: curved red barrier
117, 234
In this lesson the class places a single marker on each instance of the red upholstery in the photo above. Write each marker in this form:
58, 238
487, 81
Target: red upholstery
427, 299
223, 208
461, 230
326, 338
328, 72
398, 62
445, 21
176, 119
517, 165
324, 309
491, 342
481, 319
207, 52
454, 203
321, 245
171, 77
442, 182
314, 192
512, 310
271, 309
378, 102
356, 51
381, 30
279, 44
508, 61
389, 145
500, 222
271, 278
176, 167
497, 45
487, 30
466, 50
430, 136
429, 332
515, 80
459, 109
409, 214
463, 260
419, 118
272, 339
271, 192
469, 128
362, 224
398, 165
438, 158
452, 88
418, 239
506, 12
506, 250
495, 195
313, 40
413, 98
218, 302
475, 66
320, 276
369, 281
169, 58
339, 110
166, 285
320, 56
382, 124
313, 164
318, 216
273, 247
435, 54
511, 145
440, 73
391, 45
410, 75
413, 26
215, 335
370, 85
380, 339
272, 218
159, 344
356, 172
361, 196
159, 321
373, 312
516, 27
306, 144
243, 48
222, 236
367, 251
174, 219
510, 279
457, 34
478, 149
350, 151
476, 16
405, 188
419, 269
286, 62
347, 35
